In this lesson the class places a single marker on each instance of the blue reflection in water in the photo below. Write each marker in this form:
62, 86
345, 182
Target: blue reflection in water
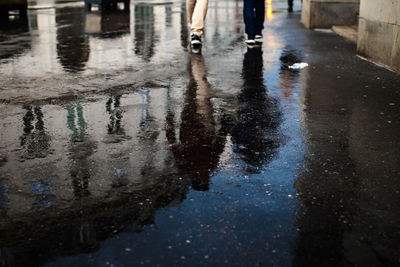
43, 196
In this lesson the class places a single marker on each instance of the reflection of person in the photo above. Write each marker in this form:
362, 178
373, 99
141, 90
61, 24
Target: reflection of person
34, 139
254, 15
113, 108
81, 148
200, 143
196, 14
290, 5
255, 135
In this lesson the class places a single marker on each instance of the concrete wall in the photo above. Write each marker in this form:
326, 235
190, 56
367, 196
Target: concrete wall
379, 32
326, 13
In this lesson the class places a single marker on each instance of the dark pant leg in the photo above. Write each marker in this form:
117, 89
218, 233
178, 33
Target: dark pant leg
249, 18
260, 15
290, 3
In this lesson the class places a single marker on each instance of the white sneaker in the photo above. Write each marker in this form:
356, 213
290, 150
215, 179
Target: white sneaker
259, 38
250, 42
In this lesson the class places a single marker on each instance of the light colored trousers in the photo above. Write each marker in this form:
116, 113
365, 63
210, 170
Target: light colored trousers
196, 13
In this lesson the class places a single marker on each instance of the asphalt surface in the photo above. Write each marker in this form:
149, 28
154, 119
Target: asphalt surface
121, 147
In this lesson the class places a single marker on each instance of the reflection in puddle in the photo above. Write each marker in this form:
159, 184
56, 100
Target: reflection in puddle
81, 148
287, 76
43, 196
113, 108
268, 9
115, 161
9, 29
256, 136
34, 139
200, 143
72, 43
144, 31
107, 24
166, 157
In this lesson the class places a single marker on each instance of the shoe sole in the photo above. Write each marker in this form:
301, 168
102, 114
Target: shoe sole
195, 42
254, 46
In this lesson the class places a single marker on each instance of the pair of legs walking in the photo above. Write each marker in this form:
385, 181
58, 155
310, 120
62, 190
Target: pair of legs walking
196, 13
253, 12
254, 15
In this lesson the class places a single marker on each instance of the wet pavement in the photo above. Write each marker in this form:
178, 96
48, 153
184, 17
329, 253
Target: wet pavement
119, 147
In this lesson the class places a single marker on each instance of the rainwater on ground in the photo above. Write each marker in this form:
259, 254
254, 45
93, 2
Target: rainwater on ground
120, 147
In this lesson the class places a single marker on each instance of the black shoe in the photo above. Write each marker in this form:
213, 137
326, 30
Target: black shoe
290, 9
196, 40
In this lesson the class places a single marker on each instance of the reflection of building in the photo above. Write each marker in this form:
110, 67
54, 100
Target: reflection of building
144, 31
43, 195
6, 5
93, 185
80, 230
200, 142
11, 28
256, 135
184, 26
107, 24
107, 4
72, 43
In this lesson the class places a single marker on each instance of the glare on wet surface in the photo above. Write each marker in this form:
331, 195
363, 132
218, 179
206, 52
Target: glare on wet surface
120, 147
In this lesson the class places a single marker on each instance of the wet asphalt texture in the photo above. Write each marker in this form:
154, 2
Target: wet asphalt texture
121, 147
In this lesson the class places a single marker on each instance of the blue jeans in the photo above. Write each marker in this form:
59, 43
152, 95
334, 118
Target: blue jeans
254, 13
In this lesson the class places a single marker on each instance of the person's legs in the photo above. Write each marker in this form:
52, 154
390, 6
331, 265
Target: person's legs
260, 16
290, 5
199, 14
189, 11
249, 18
